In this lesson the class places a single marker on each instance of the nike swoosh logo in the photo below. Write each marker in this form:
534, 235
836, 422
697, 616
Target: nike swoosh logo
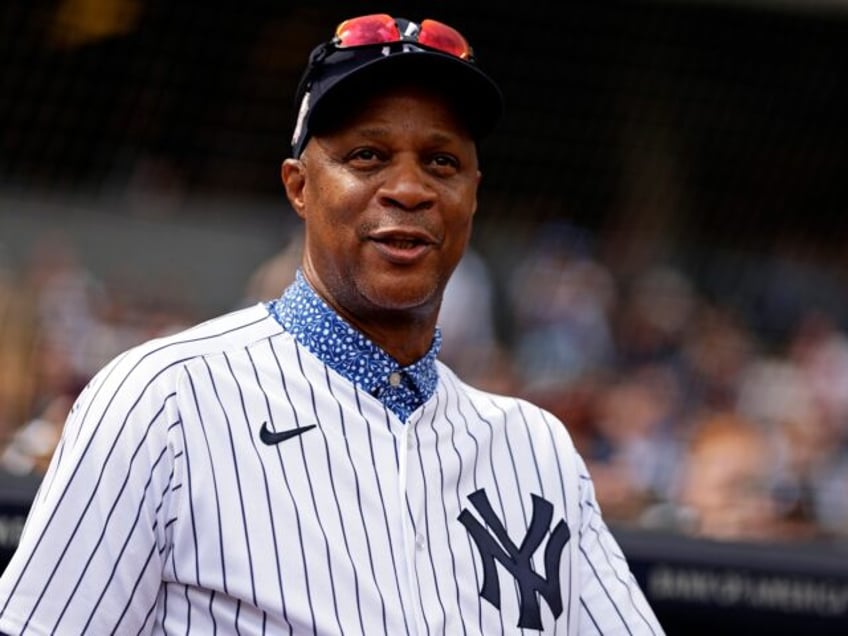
270, 437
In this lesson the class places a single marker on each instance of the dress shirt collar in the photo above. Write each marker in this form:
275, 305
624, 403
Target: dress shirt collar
318, 328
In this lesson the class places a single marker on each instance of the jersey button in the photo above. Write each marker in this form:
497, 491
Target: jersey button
420, 542
394, 379
410, 439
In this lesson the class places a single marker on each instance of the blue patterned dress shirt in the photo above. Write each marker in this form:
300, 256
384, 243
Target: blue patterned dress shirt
318, 328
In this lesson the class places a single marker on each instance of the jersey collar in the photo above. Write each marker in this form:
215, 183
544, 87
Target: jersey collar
318, 328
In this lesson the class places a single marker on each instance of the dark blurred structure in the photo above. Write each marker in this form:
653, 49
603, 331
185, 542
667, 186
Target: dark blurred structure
713, 121
702, 588
660, 246
690, 125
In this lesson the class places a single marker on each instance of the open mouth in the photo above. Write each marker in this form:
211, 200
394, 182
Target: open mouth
402, 238
401, 243
402, 247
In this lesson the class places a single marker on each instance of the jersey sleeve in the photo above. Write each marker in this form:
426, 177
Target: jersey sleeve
611, 601
92, 551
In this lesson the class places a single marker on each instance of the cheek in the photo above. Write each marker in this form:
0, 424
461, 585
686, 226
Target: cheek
460, 219
331, 202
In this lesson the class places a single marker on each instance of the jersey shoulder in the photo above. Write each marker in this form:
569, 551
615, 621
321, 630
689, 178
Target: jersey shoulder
158, 361
512, 411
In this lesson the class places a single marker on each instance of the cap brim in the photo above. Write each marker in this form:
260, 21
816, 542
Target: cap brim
349, 77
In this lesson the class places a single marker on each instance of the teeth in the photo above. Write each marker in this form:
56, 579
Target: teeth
403, 245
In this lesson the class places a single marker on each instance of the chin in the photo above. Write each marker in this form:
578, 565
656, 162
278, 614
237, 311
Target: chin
404, 296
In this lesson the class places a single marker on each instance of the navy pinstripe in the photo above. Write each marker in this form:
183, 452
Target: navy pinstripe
359, 502
383, 508
337, 506
458, 495
235, 468
267, 488
320, 524
476, 464
162, 492
426, 530
495, 480
300, 537
564, 495
217, 499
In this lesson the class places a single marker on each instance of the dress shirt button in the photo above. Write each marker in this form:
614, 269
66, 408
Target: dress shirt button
394, 379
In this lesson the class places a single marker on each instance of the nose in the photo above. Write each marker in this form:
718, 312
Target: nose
407, 186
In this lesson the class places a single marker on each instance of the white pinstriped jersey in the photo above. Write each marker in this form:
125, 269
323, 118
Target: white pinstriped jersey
164, 512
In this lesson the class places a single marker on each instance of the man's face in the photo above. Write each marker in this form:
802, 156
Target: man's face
388, 199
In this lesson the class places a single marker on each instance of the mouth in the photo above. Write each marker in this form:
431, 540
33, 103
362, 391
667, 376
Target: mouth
400, 243
402, 246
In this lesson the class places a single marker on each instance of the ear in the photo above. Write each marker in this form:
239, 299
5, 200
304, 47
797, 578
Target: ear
293, 174
476, 188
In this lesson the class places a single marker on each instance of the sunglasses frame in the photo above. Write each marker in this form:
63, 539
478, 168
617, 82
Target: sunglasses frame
412, 33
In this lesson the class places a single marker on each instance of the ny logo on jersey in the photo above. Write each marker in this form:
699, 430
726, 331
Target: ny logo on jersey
517, 560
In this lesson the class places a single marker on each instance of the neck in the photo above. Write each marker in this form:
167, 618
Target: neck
405, 333
405, 336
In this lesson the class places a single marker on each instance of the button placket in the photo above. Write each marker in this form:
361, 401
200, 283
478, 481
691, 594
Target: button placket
413, 542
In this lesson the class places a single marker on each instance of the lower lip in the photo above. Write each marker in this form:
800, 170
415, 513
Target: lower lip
401, 255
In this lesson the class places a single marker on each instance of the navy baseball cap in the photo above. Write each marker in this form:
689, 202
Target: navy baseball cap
379, 50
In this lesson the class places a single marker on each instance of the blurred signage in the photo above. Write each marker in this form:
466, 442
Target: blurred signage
756, 591
699, 587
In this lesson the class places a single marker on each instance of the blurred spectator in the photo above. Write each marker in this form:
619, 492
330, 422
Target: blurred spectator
561, 299
654, 316
31, 447
18, 341
68, 300
716, 352
806, 451
276, 273
466, 317
820, 351
470, 343
636, 446
725, 482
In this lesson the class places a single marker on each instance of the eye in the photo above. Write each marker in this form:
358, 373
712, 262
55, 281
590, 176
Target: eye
445, 162
364, 155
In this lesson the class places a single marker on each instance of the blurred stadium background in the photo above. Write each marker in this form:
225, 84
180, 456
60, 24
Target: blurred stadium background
660, 251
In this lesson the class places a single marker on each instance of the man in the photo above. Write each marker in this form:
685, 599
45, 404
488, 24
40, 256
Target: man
308, 466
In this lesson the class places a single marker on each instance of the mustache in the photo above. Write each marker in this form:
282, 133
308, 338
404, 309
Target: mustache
404, 223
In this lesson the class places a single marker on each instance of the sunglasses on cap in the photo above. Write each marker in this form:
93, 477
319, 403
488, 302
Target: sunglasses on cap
367, 51
381, 28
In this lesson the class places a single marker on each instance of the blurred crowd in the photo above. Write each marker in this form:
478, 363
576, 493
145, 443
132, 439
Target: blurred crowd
690, 418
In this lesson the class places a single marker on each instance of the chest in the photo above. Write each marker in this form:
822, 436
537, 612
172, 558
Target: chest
307, 502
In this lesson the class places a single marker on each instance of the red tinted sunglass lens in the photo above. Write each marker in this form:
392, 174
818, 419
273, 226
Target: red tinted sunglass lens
367, 29
444, 38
